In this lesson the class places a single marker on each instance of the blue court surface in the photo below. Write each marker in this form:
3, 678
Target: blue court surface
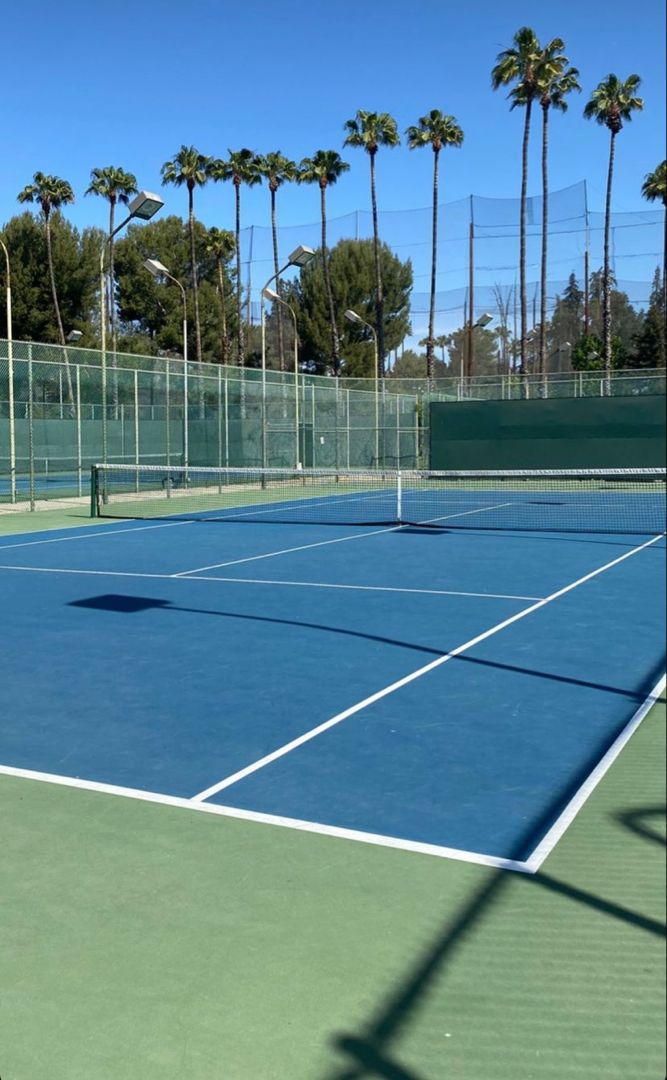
453, 692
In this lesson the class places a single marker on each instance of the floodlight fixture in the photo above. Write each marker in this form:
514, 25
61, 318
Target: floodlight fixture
74, 335
301, 256
145, 205
155, 267
484, 320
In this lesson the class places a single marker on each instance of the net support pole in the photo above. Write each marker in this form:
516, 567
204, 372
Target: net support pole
93, 492
399, 497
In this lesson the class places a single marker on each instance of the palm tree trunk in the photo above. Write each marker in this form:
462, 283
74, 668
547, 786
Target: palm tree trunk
434, 263
335, 361
56, 305
193, 270
276, 268
606, 291
223, 314
112, 313
522, 239
545, 239
379, 298
239, 315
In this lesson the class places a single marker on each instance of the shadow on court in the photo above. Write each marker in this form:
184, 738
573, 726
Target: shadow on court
115, 602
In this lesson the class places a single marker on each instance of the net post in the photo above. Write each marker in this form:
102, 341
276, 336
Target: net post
93, 492
399, 497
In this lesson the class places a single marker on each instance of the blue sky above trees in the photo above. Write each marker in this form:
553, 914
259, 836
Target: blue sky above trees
85, 90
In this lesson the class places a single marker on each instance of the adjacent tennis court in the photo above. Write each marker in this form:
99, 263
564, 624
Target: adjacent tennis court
453, 676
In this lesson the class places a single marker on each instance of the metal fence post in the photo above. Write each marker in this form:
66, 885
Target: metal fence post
79, 463
31, 434
136, 426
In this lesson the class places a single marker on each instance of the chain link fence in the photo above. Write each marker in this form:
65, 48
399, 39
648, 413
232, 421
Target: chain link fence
63, 409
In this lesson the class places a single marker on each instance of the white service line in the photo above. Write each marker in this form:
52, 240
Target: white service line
267, 581
563, 822
287, 748
271, 581
269, 819
337, 540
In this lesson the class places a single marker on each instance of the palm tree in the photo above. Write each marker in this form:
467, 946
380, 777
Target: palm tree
324, 168
654, 188
221, 245
519, 65
51, 193
278, 170
436, 130
190, 168
370, 131
612, 102
240, 168
556, 79
116, 186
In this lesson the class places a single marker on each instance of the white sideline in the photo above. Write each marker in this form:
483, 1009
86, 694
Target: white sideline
563, 822
267, 581
293, 744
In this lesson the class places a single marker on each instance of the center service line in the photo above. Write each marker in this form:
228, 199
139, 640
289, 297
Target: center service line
314, 732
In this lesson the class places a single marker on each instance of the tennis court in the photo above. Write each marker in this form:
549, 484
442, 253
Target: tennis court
441, 663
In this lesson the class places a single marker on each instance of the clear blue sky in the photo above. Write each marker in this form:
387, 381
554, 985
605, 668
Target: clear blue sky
87, 84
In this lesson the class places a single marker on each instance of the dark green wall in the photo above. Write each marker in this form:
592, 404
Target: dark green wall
616, 432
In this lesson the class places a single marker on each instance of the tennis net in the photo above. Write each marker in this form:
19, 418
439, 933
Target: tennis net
574, 500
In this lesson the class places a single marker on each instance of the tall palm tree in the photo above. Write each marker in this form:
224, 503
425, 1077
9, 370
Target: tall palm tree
654, 188
220, 243
370, 131
190, 168
612, 102
519, 65
324, 168
278, 170
555, 79
436, 130
116, 186
240, 168
51, 193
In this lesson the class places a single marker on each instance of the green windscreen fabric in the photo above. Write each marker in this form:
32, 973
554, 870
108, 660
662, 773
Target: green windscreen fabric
579, 433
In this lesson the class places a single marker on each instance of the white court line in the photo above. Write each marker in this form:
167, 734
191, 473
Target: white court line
376, 839
563, 822
84, 534
293, 744
268, 581
337, 540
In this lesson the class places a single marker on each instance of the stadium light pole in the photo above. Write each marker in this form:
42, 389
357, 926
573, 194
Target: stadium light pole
483, 320
143, 206
159, 270
271, 294
10, 376
353, 317
300, 257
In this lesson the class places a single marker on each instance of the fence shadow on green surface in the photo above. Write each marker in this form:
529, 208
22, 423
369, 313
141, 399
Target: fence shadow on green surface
369, 1052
